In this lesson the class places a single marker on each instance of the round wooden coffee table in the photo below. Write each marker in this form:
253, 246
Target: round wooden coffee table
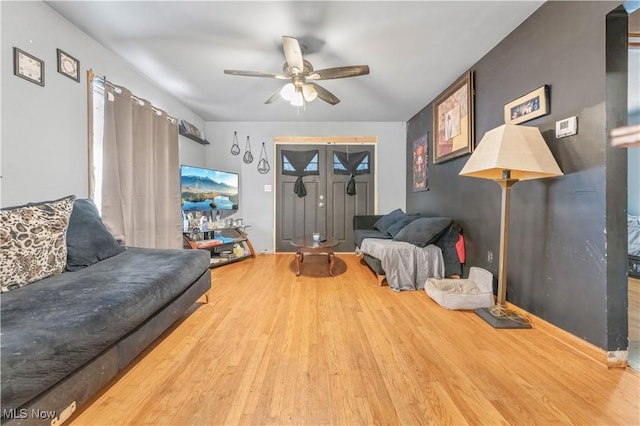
308, 246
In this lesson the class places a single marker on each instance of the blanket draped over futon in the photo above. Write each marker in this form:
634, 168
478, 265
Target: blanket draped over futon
407, 266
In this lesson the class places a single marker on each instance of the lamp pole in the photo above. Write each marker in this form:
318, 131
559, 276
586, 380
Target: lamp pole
505, 183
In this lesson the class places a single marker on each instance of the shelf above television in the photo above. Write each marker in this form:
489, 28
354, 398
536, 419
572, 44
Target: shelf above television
195, 138
190, 131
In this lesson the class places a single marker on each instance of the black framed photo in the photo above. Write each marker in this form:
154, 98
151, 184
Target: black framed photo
28, 66
68, 65
532, 105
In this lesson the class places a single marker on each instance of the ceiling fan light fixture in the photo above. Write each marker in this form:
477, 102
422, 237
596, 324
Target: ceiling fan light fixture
297, 99
309, 92
298, 70
288, 91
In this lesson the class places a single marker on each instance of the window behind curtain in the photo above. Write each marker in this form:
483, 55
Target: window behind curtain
136, 190
97, 129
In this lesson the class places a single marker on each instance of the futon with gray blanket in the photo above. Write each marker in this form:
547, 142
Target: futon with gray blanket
73, 316
406, 249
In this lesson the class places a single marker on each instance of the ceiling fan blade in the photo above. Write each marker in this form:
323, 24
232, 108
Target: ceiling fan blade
292, 52
339, 72
256, 74
324, 94
274, 97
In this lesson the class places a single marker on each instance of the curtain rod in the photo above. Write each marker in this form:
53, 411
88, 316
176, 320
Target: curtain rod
134, 97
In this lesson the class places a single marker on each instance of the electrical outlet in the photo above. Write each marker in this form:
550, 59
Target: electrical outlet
490, 256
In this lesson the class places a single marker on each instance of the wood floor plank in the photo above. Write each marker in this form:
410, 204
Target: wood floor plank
273, 348
633, 315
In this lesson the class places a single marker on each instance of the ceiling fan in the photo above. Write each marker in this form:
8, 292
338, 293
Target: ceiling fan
302, 87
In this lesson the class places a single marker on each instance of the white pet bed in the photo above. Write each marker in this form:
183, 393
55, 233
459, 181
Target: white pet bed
472, 293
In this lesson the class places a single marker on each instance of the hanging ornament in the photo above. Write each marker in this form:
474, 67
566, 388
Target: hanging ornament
235, 148
248, 156
263, 164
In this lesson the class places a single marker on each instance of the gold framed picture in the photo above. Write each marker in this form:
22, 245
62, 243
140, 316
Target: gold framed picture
68, 65
532, 105
28, 66
453, 120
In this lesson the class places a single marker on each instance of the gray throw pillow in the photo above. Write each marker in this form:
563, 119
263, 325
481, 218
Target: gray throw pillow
388, 220
423, 231
401, 223
88, 241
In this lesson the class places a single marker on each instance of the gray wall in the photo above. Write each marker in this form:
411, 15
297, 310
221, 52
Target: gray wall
562, 265
191, 152
48, 159
257, 206
44, 129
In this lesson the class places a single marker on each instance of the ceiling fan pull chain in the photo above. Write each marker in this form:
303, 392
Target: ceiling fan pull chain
248, 156
263, 164
235, 148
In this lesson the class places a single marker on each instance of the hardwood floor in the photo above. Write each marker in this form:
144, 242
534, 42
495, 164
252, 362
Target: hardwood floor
270, 348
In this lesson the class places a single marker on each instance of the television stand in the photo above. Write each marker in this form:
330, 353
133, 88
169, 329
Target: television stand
220, 242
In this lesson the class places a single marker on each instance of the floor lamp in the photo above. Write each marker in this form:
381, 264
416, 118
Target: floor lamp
506, 155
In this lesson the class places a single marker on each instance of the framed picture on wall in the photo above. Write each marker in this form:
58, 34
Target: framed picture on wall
68, 65
28, 66
532, 105
453, 120
420, 165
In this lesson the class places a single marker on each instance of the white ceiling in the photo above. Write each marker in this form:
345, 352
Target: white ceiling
414, 49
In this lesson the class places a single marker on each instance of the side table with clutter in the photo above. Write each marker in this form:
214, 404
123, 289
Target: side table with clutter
225, 239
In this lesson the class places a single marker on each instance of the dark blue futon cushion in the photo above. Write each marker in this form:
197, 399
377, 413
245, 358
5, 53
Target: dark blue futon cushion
54, 326
385, 222
88, 241
424, 231
401, 223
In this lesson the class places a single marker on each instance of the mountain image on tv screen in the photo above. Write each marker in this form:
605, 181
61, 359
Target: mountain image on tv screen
206, 189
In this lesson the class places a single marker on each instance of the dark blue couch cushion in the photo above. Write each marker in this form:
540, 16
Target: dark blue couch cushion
401, 223
53, 326
424, 231
88, 241
388, 220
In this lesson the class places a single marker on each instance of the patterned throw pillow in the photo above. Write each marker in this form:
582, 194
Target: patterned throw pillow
33, 242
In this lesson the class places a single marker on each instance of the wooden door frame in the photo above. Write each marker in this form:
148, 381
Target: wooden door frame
324, 141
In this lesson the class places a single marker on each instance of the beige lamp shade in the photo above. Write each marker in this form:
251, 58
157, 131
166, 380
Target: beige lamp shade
520, 149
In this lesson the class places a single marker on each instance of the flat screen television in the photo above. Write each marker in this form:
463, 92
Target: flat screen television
208, 189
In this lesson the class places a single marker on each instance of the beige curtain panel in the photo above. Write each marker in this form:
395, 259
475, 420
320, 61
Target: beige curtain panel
140, 189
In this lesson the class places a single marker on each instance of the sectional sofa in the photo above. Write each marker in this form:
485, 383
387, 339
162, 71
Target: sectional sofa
76, 307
